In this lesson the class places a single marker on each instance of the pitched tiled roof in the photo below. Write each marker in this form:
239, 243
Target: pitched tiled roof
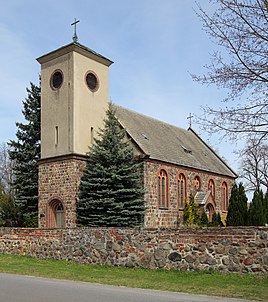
168, 143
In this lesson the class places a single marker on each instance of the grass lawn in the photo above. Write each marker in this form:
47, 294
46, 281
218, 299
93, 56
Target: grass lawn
247, 286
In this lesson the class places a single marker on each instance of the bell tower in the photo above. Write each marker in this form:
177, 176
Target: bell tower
74, 99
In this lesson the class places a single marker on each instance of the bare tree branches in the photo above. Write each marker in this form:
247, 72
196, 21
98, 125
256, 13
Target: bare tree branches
240, 27
254, 165
6, 169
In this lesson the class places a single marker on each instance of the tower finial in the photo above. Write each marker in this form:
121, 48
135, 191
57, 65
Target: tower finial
75, 38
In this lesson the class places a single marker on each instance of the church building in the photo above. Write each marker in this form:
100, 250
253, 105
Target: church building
176, 162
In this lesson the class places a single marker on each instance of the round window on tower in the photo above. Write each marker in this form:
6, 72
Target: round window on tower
92, 81
56, 79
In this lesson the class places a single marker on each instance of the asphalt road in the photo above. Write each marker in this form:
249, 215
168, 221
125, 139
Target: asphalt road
15, 288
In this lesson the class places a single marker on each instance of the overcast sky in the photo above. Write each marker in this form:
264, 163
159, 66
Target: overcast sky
154, 44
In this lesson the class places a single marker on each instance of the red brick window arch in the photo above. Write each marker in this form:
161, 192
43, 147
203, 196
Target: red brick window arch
162, 182
224, 196
197, 183
211, 187
181, 190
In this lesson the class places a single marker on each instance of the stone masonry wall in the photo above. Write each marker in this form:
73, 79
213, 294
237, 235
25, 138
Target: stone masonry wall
59, 180
224, 249
172, 216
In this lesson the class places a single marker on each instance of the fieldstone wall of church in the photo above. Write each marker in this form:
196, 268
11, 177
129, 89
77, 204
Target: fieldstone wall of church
224, 249
59, 180
171, 217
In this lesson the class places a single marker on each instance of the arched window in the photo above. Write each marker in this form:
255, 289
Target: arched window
211, 187
197, 183
162, 189
181, 190
224, 196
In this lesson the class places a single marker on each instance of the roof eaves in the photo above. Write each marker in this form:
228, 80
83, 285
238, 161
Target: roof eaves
74, 46
195, 167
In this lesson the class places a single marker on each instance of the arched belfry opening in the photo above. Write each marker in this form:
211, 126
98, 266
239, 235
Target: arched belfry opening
55, 214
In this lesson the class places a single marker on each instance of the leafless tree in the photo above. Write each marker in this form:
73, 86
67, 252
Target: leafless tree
254, 165
6, 171
240, 28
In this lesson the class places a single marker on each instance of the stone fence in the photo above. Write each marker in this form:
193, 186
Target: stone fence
222, 249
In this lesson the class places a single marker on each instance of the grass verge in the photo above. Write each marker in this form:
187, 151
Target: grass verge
245, 286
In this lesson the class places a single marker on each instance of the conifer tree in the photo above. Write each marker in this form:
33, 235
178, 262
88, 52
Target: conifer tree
187, 213
216, 219
204, 219
25, 152
220, 223
8, 210
256, 211
191, 213
237, 211
111, 190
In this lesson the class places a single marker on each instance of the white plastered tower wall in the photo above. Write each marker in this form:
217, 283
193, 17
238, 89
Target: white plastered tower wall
73, 108
70, 115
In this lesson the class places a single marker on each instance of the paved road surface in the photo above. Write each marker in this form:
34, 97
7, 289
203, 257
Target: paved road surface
15, 288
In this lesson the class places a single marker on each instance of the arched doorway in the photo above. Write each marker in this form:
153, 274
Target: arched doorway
55, 214
209, 211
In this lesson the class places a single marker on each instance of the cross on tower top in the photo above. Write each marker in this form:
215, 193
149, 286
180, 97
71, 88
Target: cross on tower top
190, 119
75, 38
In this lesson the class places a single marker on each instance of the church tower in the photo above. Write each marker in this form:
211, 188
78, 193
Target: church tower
74, 99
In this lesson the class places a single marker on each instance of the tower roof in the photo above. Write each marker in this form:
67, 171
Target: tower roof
74, 46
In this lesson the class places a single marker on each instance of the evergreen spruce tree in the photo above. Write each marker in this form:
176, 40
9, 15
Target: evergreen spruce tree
111, 190
256, 211
237, 211
25, 152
